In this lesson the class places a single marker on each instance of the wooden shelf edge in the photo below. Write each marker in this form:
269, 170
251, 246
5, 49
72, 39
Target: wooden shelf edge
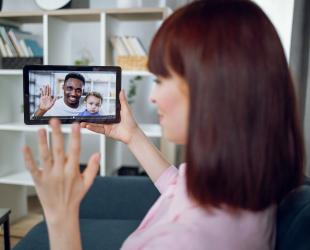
151, 130
88, 11
22, 178
16, 72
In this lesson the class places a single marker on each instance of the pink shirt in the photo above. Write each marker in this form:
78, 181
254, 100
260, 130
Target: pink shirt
176, 222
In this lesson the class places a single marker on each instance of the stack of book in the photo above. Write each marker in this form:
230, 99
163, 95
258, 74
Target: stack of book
129, 52
18, 47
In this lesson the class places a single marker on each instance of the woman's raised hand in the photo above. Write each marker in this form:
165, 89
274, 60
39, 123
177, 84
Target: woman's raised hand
59, 183
122, 131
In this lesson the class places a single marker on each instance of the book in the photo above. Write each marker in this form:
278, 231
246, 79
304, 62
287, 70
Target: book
10, 48
15, 43
118, 46
136, 44
24, 48
3, 49
35, 47
127, 45
28, 50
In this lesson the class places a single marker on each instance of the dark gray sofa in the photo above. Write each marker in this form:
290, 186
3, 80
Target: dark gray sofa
114, 207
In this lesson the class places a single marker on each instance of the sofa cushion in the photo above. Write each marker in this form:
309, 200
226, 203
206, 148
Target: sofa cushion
120, 198
293, 221
96, 234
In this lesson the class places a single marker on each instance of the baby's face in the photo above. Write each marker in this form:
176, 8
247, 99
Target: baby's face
93, 104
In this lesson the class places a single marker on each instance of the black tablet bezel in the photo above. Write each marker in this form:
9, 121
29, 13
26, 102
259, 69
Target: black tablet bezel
70, 119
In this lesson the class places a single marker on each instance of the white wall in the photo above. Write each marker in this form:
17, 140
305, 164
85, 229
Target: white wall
280, 13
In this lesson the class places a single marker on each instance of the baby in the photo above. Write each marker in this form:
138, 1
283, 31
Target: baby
93, 102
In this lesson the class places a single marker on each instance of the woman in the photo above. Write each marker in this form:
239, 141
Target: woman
224, 90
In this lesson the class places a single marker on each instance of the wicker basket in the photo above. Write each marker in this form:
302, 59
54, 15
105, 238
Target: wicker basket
132, 62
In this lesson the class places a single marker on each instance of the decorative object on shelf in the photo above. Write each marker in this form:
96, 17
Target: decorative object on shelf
132, 92
85, 58
132, 62
52, 5
62, 4
129, 52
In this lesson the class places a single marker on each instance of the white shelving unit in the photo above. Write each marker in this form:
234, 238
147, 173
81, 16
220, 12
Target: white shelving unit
64, 35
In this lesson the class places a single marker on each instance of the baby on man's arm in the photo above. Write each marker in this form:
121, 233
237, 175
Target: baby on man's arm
93, 102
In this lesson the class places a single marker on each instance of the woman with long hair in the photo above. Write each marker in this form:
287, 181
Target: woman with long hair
223, 90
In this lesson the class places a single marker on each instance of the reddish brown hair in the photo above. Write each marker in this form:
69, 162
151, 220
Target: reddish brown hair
244, 147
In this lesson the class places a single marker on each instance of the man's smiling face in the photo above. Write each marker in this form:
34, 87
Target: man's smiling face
73, 89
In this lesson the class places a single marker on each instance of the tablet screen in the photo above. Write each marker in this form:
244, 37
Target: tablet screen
71, 93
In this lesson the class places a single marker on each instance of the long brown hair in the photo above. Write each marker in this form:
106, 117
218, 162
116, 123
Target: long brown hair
245, 147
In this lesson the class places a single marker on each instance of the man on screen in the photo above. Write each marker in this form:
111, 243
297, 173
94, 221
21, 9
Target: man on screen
71, 103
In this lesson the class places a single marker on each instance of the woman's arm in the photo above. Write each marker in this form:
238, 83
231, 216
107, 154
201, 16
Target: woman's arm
150, 158
60, 185
129, 133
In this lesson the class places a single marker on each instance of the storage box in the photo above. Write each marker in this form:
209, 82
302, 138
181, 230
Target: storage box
19, 62
132, 62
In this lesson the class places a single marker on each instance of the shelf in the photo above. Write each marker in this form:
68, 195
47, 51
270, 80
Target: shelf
151, 130
19, 127
77, 15
20, 178
138, 13
11, 72
136, 72
17, 72
23, 16
86, 14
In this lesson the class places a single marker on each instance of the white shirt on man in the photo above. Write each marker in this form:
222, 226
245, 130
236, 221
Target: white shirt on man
61, 109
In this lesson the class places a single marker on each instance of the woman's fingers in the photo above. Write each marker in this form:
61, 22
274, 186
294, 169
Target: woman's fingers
90, 172
44, 150
98, 128
30, 163
74, 148
58, 144
123, 100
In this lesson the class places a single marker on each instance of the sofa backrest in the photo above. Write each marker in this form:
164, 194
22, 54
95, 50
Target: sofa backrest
293, 220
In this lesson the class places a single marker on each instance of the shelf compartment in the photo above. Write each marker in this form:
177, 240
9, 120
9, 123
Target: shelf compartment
73, 44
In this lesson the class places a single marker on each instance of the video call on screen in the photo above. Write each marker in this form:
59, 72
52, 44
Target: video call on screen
102, 83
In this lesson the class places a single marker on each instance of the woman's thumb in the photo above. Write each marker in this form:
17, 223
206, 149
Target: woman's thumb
122, 98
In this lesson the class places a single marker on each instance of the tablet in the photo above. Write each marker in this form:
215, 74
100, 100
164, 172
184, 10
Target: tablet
71, 93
